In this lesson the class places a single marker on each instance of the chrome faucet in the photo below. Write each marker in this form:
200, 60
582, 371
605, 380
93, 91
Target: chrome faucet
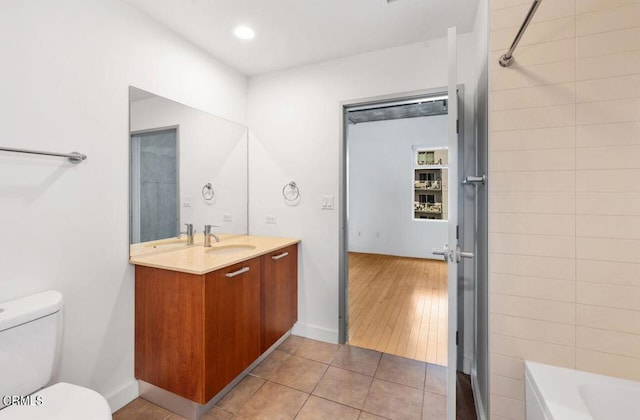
208, 234
189, 232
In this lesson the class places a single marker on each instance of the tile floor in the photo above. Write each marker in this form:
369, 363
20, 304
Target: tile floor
306, 379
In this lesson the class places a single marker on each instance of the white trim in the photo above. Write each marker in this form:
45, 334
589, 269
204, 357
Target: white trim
314, 332
123, 396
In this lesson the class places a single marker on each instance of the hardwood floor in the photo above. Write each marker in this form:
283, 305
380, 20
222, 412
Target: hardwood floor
398, 306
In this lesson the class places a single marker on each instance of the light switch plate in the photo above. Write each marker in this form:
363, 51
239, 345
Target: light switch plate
186, 201
327, 202
227, 218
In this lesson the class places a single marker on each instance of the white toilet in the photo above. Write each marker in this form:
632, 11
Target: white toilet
29, 331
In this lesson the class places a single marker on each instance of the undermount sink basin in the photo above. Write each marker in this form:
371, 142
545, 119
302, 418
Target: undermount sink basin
165, 243
229, 249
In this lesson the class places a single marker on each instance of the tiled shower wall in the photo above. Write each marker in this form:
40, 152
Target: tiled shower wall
564, 157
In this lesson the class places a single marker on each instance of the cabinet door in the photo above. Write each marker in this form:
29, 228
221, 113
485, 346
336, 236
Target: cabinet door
232, 318
169, 331
279, 294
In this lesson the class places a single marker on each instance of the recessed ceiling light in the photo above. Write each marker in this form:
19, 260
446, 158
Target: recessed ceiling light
244, 32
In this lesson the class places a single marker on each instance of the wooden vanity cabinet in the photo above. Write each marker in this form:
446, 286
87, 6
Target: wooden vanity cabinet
279, 294
232, 323
195, 333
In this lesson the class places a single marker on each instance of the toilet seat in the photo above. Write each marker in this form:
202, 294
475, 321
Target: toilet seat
61, 401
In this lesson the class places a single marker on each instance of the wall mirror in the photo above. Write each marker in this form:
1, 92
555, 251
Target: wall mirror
185, 166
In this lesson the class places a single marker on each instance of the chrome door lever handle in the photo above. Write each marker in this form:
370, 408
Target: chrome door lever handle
444, 252
460, 254
474, 179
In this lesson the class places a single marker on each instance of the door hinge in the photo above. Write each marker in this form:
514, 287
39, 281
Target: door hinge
457, 232
457, 126
457, 337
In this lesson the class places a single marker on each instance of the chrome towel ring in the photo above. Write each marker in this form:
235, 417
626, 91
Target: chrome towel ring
207, 192
290, 191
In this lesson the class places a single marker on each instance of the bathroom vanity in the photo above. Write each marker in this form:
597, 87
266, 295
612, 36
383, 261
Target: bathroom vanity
205, 315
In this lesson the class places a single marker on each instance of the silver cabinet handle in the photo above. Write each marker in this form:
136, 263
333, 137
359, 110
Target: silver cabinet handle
237, 273
277, 257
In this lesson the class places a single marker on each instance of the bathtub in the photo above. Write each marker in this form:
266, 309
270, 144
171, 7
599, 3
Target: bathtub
554, 393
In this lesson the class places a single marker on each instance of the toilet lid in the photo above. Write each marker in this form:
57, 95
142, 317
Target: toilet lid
61, 401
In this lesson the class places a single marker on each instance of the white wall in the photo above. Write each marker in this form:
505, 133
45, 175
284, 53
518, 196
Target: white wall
295, 116
381, 193
64, 84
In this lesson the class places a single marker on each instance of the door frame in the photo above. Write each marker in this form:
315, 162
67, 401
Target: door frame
343, 266
134, 177
456, 319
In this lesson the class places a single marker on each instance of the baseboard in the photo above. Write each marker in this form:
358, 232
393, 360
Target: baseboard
480, 412
395, 253
314, 332
123, 396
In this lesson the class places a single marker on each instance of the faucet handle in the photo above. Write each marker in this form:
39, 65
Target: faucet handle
189, 232
208, 234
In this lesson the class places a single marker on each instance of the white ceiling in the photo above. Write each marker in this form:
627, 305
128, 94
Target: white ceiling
294, 32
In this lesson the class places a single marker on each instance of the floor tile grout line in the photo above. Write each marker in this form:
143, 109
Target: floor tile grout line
320, 380
373, 378
264, 381
336, 402
366, 397
302, 406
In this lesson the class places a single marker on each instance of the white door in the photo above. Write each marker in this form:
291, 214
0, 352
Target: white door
451, 251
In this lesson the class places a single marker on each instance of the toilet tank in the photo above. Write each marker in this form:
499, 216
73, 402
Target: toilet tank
28, 342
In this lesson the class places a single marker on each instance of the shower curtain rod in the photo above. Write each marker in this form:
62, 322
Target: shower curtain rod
74, 157
507, 59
